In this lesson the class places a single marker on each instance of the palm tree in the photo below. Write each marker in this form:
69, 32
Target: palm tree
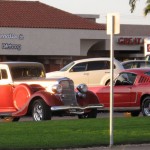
132, 3
147, 8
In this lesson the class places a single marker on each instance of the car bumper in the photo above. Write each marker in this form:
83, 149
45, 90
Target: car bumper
76, 109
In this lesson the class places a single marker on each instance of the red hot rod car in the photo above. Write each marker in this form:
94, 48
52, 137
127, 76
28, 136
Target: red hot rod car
24, 90
131, 92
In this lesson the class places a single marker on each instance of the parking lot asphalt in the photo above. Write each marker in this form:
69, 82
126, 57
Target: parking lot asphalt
100, 115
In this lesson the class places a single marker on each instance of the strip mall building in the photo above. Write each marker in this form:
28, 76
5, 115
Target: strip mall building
33, 31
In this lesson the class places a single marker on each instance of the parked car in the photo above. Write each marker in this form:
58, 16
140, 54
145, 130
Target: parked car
131, 92
92, 71
135, 64
24, 90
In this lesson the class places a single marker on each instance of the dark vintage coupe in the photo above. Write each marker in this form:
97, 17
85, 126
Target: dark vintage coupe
131, 92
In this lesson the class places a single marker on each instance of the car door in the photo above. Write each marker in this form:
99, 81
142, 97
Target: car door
97, 71
6, 93
124, 96
78, 73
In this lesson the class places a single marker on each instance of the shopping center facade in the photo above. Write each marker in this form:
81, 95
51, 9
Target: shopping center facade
33, 31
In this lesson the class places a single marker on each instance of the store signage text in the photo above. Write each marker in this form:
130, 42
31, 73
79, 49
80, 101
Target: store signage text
12, 36
11, 46
130, 41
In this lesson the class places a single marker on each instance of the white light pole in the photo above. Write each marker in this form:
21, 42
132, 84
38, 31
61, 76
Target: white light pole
113, 27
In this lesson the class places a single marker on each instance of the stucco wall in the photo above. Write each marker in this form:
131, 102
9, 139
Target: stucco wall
33, 41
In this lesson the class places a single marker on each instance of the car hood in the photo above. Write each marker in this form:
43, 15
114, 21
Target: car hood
44, 82
55, 74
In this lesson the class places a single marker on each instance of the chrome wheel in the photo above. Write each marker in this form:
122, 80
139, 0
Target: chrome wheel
37, 112
146, 107
41, 111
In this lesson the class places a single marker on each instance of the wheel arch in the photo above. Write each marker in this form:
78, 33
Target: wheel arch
104, 79
29, 112
108, 81
142, 99
49, 99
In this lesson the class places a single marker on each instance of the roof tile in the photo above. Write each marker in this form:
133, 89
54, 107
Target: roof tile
34, 14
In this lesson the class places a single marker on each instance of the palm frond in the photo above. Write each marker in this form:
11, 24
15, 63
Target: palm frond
148, 1
132, 4
147, 9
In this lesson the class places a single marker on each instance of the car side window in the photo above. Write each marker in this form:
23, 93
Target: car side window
27, 72
130, 65
147, 64
79, 67
125, 79
136, 65
3, 74
98, 65
142, 64
108, 63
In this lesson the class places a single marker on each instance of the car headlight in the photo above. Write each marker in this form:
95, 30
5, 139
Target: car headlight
57, 88
82, 88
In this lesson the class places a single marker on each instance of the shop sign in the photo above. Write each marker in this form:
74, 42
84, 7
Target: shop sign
130, 41
12, 36
11, 46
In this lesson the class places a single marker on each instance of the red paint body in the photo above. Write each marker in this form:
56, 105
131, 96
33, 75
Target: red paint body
126, 97
17, 99
23, 85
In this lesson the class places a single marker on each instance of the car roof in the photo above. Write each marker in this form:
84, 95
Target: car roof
16, 62
129, 61
19, 63
137, 70
92, 59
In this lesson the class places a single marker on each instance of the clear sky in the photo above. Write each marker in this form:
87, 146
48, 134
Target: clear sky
102, 8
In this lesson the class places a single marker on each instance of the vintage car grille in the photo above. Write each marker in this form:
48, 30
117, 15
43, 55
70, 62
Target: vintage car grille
68, 93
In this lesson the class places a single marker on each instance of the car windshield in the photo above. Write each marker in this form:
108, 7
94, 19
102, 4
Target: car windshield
67, 66
27, 72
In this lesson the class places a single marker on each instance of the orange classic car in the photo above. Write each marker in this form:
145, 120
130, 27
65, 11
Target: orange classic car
24, 90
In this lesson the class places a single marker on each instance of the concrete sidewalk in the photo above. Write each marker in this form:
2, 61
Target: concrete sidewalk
118, 147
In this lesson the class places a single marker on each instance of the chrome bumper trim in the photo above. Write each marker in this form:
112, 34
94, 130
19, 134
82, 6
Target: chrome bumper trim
76, 109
